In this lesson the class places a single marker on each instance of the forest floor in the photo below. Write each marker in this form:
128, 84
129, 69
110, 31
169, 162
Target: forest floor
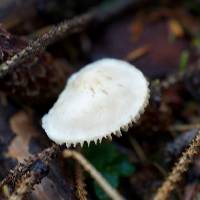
161, 39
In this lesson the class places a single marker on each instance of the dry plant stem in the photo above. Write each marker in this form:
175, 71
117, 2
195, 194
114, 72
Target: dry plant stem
54, 33
185, 127
108, 189
139, 151
81, 193
22, 168
177, 172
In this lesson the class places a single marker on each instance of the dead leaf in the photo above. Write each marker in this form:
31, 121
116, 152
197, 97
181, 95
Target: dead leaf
137, 53
175, 28
22, 125
137, 28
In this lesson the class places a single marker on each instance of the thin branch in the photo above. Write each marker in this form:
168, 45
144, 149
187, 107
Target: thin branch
22, 168
108, 189
23, 188
138, 149
179, 169
185, 127
99, 14
54, 33
27, 181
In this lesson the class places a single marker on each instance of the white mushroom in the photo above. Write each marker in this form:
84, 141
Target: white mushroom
99, 100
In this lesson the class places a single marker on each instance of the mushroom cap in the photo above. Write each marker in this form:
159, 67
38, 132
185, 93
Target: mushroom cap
99, 100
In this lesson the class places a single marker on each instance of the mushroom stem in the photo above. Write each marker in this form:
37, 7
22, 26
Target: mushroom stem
178, 170
108, 189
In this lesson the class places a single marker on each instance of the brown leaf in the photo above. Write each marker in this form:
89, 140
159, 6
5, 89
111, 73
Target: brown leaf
175, 28
22, 125
137, 53
137, 28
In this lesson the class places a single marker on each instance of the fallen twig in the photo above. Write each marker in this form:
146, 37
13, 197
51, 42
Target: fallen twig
27, 181
62, 29
53, 34
177, 172
110, 191
22, 168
